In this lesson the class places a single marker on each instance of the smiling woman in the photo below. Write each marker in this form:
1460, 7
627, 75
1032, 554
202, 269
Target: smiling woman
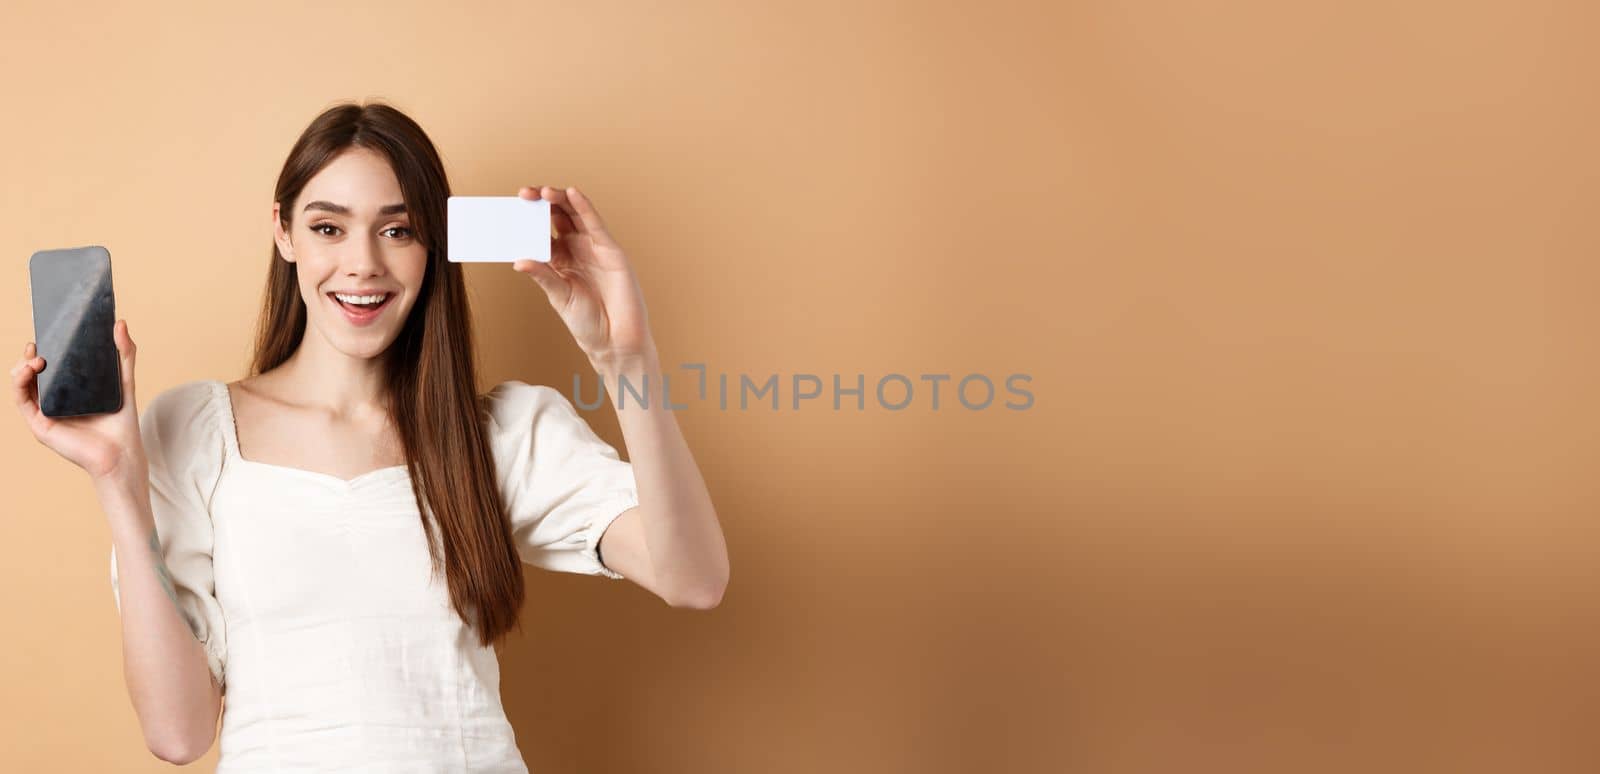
335, 542
371, 509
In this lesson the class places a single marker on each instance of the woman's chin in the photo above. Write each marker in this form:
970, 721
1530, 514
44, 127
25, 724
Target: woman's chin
361, 342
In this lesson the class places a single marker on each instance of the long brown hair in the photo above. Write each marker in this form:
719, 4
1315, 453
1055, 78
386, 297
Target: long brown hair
430, 374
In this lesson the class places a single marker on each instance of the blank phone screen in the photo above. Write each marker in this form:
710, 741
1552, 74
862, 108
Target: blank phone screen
73, 314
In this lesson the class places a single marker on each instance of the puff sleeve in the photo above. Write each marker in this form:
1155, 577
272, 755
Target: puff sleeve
561, 483
184, 448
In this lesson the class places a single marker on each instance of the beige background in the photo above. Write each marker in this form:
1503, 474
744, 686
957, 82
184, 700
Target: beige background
1306, 292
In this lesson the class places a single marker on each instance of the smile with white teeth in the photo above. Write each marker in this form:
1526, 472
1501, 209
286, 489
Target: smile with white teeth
361, 300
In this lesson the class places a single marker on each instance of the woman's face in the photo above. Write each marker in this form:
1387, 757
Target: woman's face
349, 234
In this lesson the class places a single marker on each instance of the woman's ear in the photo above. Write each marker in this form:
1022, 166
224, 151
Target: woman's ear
285, 246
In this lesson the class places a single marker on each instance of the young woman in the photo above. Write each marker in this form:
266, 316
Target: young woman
334, 542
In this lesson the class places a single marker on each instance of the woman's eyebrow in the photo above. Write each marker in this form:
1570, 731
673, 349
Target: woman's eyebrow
388, 209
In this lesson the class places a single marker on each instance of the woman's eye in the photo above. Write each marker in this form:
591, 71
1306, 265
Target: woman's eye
405, 231
320, 226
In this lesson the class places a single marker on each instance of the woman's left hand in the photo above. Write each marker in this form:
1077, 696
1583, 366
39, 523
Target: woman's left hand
589, 281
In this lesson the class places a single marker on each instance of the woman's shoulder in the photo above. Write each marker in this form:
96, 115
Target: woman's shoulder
516, 402
517, 409
185, 416
516, 391
182, 436
540, 442
186, 401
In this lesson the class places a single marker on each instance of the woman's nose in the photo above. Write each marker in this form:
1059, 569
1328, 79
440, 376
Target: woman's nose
364, 258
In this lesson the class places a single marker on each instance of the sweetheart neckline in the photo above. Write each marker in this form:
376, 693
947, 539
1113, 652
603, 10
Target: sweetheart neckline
230, 425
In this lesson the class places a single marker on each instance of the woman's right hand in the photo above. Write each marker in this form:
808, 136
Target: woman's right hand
106, 446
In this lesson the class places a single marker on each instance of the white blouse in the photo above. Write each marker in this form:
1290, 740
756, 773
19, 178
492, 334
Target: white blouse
314, 597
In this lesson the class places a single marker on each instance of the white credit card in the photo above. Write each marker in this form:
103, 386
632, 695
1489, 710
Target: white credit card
497, 228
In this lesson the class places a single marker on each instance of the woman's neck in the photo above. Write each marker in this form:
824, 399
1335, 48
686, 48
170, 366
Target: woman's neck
320, 376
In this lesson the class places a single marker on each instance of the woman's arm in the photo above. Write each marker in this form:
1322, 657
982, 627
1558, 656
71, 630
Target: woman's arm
164, 666
672, 543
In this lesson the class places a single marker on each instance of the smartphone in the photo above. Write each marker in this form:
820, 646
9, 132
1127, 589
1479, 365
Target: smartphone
497, 228
74, 312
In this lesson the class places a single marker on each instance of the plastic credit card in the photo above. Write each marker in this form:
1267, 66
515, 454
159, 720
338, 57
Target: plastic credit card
497, 228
